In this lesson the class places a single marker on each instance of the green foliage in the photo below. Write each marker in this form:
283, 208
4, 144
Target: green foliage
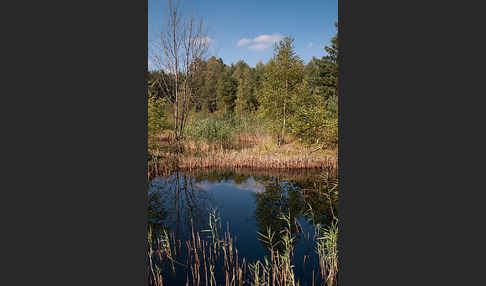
218, 128
285, 95
157, 118
211, 129
214, 228
326, 248
282, 84
331, 122
160, 85
309, 120
316, 119
268, 239
323, 73
215, 68
226, 92
246, 101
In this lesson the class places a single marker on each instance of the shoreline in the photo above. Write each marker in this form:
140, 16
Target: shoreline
167, 163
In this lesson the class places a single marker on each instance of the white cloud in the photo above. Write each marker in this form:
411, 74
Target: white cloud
258, 47
248, 186
243, 42
310, 45
261, 42
268, 38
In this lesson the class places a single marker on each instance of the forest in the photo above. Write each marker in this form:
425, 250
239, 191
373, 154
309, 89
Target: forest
283, 102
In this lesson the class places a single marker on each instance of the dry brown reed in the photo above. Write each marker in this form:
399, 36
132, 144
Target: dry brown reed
218, 254
239, 160
255, 152
204, 257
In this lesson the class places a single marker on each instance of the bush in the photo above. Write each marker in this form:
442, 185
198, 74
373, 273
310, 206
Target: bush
157, 119
211, 129
316, 120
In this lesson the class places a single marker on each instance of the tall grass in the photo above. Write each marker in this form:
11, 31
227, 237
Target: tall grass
156, 276
211, 129
327, 251
232, 142
279, 269
214, 259
219, 255
232, 160
326, 238
228, 131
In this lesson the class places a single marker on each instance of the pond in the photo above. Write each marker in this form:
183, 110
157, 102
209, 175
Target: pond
243, 203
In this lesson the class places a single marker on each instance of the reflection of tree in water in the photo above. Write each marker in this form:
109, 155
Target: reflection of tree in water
156, 212
175, 203
216, 176
295, 197
322, 198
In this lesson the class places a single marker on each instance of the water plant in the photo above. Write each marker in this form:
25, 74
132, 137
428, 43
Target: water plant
214, 259
327, 251
268, 239
214, 227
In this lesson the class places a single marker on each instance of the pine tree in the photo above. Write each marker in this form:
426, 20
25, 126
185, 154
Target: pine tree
214, 69
226, 91
325, 79
316, 119
244, 92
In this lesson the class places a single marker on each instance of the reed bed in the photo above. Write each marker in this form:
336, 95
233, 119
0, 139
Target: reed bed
327, 251
203, 258
169, 162
278, 270
217, 256
245, 148
241, 160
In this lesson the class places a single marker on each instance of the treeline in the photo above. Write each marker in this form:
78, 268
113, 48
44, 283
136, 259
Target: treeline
293, 98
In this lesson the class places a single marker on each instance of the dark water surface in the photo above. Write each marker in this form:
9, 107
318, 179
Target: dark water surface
247, 202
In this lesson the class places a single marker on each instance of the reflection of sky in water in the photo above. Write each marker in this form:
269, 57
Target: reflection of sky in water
236, 204
249, 185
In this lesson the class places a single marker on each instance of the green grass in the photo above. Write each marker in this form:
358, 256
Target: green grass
220, 255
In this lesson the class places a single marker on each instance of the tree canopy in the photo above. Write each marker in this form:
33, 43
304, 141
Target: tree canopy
292, 98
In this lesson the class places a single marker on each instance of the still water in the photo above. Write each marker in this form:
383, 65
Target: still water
247, 202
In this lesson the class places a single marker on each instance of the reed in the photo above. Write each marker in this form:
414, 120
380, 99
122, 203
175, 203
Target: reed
326, 238
213, 259
232, 143
269, 239
168, 163
156, 276
214, 227
327, 251
205, 259
279, 269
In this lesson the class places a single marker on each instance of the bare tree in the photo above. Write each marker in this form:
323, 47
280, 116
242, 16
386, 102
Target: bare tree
183, 41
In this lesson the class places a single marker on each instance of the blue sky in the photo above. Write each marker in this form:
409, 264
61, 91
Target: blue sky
246, 30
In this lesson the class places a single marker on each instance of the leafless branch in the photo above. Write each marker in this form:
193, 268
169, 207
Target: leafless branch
183, 41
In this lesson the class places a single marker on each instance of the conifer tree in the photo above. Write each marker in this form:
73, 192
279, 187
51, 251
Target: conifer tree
226, 91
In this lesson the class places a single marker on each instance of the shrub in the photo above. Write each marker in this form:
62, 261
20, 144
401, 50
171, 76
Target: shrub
157, 119
316, 119
210, 129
